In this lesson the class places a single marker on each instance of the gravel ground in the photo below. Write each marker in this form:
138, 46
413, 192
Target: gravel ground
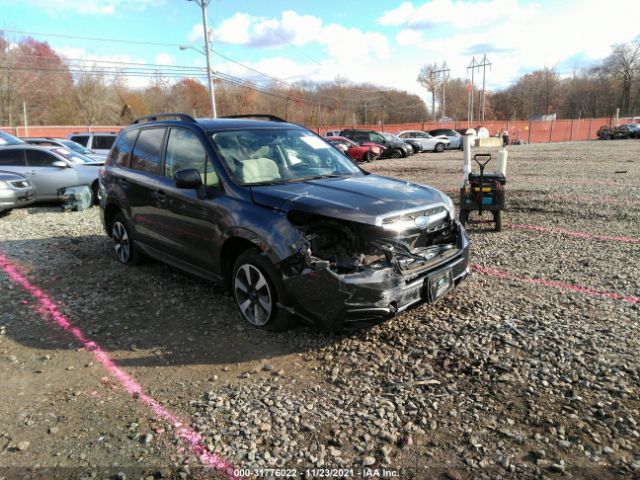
505, 378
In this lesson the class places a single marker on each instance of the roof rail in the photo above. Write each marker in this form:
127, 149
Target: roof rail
271, 118
183, 117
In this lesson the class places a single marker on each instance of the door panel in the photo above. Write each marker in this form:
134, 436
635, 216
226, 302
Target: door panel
189, 223
140, 184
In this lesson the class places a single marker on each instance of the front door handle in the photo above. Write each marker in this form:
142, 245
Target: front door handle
160, 198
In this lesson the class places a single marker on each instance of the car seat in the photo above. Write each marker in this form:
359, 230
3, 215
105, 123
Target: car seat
259, 170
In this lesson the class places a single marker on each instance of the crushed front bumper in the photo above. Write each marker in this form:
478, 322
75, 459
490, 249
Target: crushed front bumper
332, 300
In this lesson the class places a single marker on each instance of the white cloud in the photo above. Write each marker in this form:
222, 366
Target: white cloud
163, 58
89, 7
409, 37
299, 30
528, 39
458, 13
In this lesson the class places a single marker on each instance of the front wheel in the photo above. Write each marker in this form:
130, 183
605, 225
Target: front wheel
368, 156
439, 147
464, 217
396, 153
258, 291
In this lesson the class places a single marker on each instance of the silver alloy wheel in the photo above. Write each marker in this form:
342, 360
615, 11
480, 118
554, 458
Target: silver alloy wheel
253, 295
121, 244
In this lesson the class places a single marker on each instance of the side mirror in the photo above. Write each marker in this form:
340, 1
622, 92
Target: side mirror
188, 178
59, 164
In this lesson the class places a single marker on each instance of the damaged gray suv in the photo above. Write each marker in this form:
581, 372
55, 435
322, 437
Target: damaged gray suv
291, 226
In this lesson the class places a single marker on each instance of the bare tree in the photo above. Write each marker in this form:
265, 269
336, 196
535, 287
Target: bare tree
624, 64
429, 80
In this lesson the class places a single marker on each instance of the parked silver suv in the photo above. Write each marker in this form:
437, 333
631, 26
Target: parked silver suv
99, 142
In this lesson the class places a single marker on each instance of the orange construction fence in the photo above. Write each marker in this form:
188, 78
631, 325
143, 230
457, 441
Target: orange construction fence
540, 131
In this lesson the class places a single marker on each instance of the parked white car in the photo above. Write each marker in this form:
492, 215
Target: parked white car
426, 141
331, 133
455, 138
99, 142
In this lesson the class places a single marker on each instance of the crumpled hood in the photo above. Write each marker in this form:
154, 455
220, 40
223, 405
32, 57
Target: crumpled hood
358, 199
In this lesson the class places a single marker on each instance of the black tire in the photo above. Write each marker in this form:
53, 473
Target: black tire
368, 157
463, 217
123, 245
396, 153
255, 280
94, 191
497, 218
439, 147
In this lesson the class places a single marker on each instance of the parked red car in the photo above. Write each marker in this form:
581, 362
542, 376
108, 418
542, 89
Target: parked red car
361, 152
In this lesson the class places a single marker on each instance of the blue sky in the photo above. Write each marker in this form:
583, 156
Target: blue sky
383, 42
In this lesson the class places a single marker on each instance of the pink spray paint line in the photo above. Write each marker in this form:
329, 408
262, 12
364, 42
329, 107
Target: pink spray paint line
572, 233
556, 284
47, 308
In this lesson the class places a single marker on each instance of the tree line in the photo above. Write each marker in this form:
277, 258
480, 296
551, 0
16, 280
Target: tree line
54, 90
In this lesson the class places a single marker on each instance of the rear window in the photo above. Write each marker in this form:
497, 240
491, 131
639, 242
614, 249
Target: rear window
121, 151
103, 142
146, 153
81, 139
11, 157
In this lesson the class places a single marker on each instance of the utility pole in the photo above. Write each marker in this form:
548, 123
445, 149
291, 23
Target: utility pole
485, 63
473, 65
203, 4
445, 73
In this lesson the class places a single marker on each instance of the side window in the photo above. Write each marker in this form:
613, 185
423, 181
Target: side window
121, 152
103, 142
185, 150
81, 139
11, 158
375, 138
146, 153
39, 158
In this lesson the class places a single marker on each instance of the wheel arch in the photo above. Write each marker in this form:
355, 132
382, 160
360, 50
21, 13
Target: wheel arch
110, 211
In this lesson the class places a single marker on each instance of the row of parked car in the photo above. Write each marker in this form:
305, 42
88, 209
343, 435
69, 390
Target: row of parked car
367, 145
51, 169
626, 130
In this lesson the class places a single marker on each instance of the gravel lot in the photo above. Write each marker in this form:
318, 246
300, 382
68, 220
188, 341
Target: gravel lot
509, 377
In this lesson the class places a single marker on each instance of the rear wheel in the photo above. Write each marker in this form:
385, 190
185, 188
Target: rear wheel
258, 291
396, 153
123, 245
497, 218
439, 147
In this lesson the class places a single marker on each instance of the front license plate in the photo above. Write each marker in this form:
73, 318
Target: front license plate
439, 284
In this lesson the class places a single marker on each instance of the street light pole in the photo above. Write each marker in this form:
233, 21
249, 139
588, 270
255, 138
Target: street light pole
212, 94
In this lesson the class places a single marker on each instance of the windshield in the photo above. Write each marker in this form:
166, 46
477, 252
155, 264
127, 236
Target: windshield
76, 147
6, 139
72, 157
273, 156
391, 137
